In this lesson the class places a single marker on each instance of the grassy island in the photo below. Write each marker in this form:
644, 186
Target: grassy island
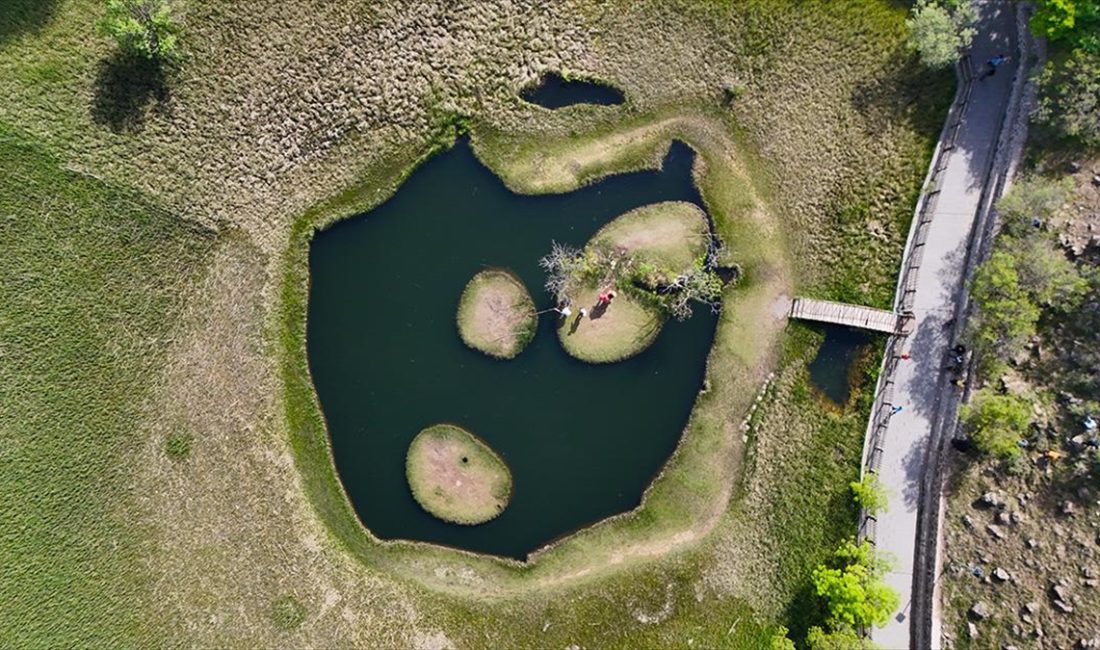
633, 256
496, 314
457, 477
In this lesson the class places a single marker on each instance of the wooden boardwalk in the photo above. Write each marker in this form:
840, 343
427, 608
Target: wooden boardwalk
838, 313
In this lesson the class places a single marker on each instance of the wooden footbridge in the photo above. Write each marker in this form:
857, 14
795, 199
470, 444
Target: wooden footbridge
839, 313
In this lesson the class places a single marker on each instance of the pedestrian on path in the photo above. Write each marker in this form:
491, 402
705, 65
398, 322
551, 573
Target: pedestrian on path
992, 66
897, 409
906, 357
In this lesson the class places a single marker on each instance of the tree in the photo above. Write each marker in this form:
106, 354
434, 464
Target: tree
843, 639
997, 422
869, 494
1044, 272
937, 33
854, 591
1076, 22
143, 28
1006, 316
562, 264
1070, 96
697, 284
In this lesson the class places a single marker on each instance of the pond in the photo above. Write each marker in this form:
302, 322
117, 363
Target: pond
831, 369
554, 91
582, 441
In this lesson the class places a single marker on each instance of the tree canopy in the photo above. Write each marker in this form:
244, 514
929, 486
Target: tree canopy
938, 32
142, 28
997, 422
854, 592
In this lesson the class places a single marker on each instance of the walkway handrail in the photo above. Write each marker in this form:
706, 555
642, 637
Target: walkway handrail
882, 406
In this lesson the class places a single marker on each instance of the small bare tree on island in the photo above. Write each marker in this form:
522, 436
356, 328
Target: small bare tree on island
561, 265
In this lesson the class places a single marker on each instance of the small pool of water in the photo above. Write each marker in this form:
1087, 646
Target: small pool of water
553, 91
831, 370
582, 441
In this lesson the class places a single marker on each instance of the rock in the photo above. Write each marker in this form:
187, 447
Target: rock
1031, 607
1077, 443
971, 630
1067, 508
1096, 180
1003, 518
1074, 167
1060, 592
1000, 575
995, 531
968, 521
980, 611
1091, 583
991, 500
1065, 608
1033, 543
1086, 644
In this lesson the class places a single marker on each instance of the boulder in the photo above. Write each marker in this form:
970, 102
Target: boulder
980, 611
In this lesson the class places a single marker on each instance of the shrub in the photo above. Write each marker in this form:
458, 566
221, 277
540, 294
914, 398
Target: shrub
937, 33
1033, 198
287, 613
178, 445
997, 422
844, 639
1076, 22
1006, 316
780, 640
142, 28
1070, 97
854, 591
869, 494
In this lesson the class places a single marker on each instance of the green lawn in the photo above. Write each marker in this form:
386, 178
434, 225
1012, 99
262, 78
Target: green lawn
90, 280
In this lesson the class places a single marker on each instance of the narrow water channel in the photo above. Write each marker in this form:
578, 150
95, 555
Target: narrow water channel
582, 441
554, 91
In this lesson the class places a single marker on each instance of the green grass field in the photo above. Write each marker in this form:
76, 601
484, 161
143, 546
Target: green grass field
93, 276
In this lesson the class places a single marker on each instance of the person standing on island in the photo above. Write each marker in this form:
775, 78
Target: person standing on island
993, 64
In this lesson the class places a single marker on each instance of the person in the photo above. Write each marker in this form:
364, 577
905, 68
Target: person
906, 356
993, 64
896, 410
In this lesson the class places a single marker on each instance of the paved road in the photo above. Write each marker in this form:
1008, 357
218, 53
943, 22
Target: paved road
921, 380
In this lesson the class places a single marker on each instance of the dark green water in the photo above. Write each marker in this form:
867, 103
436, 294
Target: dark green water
831, 369
582, 441
553, 91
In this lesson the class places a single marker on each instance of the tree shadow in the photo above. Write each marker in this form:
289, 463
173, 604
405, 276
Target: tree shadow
129, 88
20, 16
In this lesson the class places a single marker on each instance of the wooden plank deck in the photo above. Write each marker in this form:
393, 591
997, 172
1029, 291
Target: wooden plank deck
838, 313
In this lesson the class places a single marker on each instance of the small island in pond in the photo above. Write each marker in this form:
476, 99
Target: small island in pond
455, 476
496, 314
636, 271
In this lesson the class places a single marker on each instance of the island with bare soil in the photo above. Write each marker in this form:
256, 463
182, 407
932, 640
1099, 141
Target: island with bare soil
640, 268
455, 476
496, 314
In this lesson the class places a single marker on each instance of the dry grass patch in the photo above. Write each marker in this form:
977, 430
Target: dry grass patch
496, 314
457, 477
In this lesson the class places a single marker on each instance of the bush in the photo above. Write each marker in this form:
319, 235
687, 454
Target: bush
1075, 22
997, 422
854, 591
1006, 316
845, 639
780, 640
1033, 198
142, 28
937, 33
1070, 97
869, 494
